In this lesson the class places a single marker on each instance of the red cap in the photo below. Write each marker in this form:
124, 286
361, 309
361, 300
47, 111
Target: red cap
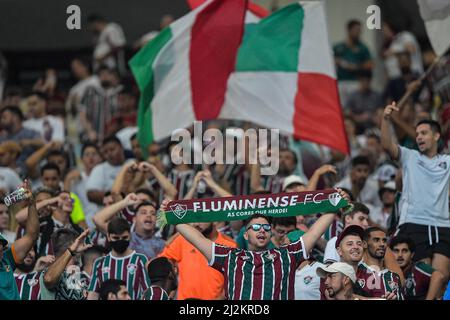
353, 229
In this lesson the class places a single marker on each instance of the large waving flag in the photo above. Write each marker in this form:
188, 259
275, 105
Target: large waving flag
436, 15
279, 74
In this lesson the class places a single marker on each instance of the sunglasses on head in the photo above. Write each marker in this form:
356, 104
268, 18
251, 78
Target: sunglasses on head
257, 226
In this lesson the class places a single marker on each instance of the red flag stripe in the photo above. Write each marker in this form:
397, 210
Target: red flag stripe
215, 39
253, 7
318, 113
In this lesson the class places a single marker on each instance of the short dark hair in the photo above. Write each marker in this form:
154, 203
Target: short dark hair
40, 95
44, 190
374, 136
112, 139
353, 23
356, 207
92, 251
118, 225
360, 160
256, 216
110, 286
133, 137
62, 239
369, 230
14, 110
435, 126
50, 166
147, 192
403, 239
89, 145
95, 17
159, 269
146, 203
284, 221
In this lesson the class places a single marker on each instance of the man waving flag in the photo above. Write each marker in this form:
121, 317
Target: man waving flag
211, 64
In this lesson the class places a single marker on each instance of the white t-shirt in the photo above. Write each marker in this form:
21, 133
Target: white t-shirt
51, 128
424, 198
331, 254
368, 195
307, 282
111, 36
9, 179
102, 177
398, 45
380, 217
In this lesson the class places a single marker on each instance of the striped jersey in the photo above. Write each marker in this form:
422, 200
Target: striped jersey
28, 285
333, 230
273, 184
238, 178
130, 269
377, 283
155, 293
266, 275
417, 281
182, 181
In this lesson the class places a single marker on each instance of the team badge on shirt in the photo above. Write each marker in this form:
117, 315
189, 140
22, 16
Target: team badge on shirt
106, 269
409, 283
32, 282
131, 268
307, 279
443, 165
361, 282
393, 285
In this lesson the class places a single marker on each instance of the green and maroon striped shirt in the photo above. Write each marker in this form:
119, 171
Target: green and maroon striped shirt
28, 285
417, 281
155, 293
130, 269
377, 283
265, 275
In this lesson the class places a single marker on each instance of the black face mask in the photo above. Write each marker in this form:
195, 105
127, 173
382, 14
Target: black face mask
106, 84
120, 246
26, 268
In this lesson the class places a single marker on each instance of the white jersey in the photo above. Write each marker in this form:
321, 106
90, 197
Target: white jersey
307, 282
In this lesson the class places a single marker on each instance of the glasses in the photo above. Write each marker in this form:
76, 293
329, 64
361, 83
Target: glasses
283, 232
257, 226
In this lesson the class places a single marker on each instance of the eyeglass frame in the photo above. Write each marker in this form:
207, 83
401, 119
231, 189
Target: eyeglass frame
260, 225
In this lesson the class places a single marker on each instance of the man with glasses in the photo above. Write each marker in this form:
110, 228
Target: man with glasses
247, 272
280, 228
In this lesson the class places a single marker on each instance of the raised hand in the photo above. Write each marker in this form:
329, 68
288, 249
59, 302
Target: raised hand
387, 113
164, 204
78, 245
325, 169
145, 166
44, 262
131, 199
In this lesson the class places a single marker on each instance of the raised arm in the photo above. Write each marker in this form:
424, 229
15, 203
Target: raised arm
23, 245
124, 178
55, 270
169, 189
195, 237
22, 215
386, 139
33, 160
102, 217
312, 184
193, 189
218, 190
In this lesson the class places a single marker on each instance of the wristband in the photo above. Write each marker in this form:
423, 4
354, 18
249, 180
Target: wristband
73, 254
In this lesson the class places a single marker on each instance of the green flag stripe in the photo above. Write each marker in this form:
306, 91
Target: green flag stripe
272, 44
142, 65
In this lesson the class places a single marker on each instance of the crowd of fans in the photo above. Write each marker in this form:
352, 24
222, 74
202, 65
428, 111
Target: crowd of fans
87, 229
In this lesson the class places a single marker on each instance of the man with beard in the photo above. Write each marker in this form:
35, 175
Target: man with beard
121, 263
422, 281
163, 278
424, 200
364, 189
246, 271
340, 278
196, 278
27, 275
373, 276
100, 105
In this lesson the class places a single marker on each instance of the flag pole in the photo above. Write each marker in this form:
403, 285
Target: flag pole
418, 82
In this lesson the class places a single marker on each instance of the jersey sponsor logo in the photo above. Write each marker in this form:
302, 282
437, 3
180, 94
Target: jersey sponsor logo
307, 280
179, 210
334, 198
32, 282
131, 268
362, 283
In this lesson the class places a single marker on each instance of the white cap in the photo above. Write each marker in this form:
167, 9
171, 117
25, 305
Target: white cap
341, 267
292, 179
386, 172
390, 185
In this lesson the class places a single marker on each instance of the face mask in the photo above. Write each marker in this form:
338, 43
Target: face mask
120, 246
106, 83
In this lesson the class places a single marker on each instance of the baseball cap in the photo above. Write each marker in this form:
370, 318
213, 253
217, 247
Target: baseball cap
291, 180
3, 241
341, 267
350, 230
386, 172
388, 186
